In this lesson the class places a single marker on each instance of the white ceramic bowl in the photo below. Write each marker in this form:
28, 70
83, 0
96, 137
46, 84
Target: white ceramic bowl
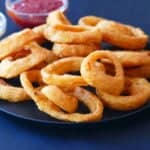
3, 24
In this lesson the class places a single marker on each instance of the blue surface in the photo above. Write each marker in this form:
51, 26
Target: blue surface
126, 134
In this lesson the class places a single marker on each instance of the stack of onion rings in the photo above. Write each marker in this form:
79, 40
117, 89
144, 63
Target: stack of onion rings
56, 80
12, 68
70, 40
47, 106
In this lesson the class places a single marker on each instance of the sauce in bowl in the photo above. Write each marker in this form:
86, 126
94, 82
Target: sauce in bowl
30, 13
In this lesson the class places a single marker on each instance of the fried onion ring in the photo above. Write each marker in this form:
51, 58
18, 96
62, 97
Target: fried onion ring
47, 106
96, 76
72, 34
124, 36
12, 66
16, 41
11, 93
61, 99
137, 91
54, 73
68, 50
118, 34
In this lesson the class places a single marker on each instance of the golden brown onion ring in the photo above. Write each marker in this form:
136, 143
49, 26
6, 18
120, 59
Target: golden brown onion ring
115, 33
47, 106
11, 93
60, 98
13, 65
16, 41
57, 17
68, 50
124, 36
72, 34
97, 77
138, 90
54, 73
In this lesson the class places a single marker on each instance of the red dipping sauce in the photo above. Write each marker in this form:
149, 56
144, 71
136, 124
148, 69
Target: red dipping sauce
30, 13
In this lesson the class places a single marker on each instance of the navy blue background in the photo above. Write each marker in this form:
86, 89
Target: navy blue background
129, 133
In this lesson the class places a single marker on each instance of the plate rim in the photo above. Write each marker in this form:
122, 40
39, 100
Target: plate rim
128, 114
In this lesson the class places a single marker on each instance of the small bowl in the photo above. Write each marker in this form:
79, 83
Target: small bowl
3, 24
30, 19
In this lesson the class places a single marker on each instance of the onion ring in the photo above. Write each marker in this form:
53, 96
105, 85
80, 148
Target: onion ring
68, 50
61, 99
47, 106
54, 73
12, 66
72, 34
115, 33
96, 76
16, 41
124, 36
138, 90
11, 93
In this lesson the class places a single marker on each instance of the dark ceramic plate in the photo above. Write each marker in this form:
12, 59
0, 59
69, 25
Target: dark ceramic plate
28, 111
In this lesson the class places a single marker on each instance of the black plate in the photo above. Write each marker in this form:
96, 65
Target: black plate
28, 111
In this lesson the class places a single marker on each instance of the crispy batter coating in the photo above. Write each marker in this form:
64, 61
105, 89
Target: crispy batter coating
72, 34
137, 93
117, 34
55, 73
46, 105
16, 42
12, 67
68, 50
11, 93
62, 99
97, 77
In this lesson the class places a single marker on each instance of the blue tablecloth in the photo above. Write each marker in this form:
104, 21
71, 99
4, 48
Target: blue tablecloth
129, 133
